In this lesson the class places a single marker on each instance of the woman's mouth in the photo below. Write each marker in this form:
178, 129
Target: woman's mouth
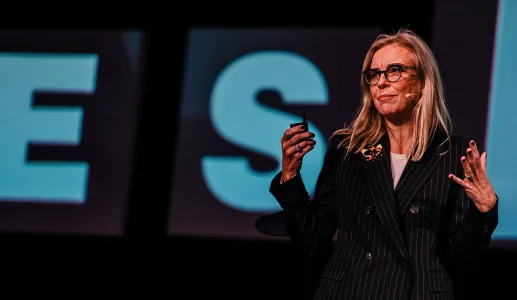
386, 96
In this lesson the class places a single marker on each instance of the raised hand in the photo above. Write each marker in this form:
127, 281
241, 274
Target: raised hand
295, 144
476, 182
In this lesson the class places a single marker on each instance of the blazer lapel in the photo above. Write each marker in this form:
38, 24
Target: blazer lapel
380, 180
416, 173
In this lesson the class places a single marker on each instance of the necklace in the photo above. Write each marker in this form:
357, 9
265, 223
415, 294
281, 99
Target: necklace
409, 142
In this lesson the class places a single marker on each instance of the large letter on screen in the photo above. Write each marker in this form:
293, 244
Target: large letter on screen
502, 126
21, 74
239, 118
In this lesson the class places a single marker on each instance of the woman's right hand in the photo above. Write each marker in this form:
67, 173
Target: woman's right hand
291, 158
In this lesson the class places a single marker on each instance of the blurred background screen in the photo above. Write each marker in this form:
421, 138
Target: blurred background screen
243, 87
68, 107
236, 104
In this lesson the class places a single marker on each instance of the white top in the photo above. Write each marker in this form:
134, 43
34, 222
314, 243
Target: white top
398, 163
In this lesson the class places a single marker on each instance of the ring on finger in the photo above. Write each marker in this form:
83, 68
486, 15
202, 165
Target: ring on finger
297, 148
468, 176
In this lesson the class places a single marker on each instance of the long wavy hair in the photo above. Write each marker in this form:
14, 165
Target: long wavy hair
429, 114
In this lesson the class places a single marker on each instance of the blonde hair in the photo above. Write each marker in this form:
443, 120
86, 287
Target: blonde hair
429, 114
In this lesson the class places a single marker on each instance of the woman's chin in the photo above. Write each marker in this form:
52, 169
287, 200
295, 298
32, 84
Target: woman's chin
388, 110
395, 116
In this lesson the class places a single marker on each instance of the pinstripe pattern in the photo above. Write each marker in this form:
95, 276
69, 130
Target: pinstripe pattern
403, 243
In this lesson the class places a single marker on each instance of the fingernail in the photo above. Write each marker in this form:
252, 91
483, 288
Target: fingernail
472, 143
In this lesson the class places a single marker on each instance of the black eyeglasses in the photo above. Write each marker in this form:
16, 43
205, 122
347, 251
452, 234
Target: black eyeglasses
392, 74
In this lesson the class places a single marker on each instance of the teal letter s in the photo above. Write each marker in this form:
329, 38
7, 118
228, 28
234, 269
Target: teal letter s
238, 118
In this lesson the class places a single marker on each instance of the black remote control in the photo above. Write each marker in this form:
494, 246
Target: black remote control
304, 122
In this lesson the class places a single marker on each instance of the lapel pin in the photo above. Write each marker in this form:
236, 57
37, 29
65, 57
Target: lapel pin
372, 153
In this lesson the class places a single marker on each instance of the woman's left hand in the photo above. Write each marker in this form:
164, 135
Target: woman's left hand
476, 182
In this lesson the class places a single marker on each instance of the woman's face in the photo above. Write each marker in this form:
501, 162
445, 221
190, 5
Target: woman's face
390, 90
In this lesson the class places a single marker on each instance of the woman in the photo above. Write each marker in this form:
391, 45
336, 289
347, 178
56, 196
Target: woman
411, 203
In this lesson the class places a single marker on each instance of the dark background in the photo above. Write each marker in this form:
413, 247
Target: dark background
145, 260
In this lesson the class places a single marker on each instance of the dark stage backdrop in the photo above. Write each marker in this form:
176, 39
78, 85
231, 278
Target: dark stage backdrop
243, 87
68, 107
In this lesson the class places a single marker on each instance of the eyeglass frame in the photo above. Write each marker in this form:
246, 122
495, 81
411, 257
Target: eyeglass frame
402, 66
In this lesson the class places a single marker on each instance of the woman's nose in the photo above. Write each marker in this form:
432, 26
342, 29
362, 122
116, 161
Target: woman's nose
382, 83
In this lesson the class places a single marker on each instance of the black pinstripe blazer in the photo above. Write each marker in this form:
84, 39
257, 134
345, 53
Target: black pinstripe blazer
411, 242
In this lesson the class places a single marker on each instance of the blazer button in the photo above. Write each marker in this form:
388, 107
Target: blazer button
414, 210
369, 256
368, 209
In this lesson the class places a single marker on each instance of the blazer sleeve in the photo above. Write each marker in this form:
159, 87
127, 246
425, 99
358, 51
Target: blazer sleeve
311, 221
473, 234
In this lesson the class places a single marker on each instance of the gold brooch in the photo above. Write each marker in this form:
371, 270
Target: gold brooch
372, 153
